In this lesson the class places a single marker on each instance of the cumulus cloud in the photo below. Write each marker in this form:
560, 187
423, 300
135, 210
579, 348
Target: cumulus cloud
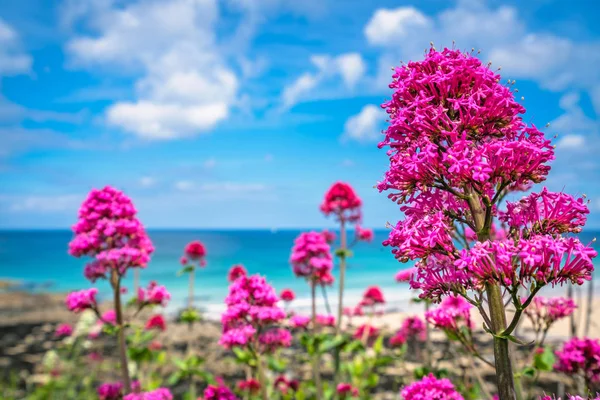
366, 125
13, 59
348, 67
186, 86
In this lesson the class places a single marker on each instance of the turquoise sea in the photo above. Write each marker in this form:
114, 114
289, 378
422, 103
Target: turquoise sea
39, 261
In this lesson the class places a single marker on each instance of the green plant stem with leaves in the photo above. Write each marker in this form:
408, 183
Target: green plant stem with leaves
340, 314
315, 357
115, 281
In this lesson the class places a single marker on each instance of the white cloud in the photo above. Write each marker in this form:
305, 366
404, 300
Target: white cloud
571, 142
184, 186
147, 181
388, 27
555, 62
366, 125
293, 93
349, 67
187, 86
45, 204
13, 60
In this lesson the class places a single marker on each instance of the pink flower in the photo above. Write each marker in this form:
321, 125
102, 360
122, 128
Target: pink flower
284, 385
154, 294
453, 312
328, 236
342, 201
196, 251
363, 234
110, 391
299, 321
155, 345
373, 295
430, 388
157, 394
366, 331
346, 389
324, 278
274, 339
249, 385
63, 330
287, 295
311, 256
220, 392
325, 320
235, 272
406, 275
547, 213
398, 339
109, 231
543, 312
156, 322
183, 261
413, 328
108, 317
251, 307
82, 300
580, 356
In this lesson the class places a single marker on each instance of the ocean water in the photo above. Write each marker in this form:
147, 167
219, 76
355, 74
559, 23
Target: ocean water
39, 260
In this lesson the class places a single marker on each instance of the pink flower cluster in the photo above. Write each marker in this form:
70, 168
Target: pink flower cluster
430, 388
252, 306
157, 394
156, 322
220, 392
328, 236
249, 386
311, 258
346, 390
153, 294
543, 311
196, 251
109, 231
299, 321
465, 124
285, 385
325, 320
405, 275
366, 331
110, 391
452, 313
287, 295
364, 234
580, 356
274, 339
235, 272
412, 328
63, 330
372, 296
82, 300
547, 213
547, 397
342, 201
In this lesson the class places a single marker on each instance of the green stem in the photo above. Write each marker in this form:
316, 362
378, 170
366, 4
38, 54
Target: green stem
262, 379
122, 346
427, 340
315, 360
340, 314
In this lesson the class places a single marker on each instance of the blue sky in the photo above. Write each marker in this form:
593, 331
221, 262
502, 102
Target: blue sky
241, 113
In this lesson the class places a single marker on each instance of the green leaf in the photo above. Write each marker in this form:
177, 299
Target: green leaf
516, 340
343, 253
528, 372
180, 364
378, 345
384, 361
420, 372
372, 380
354, 346
185, 270
242, 355
174, 378
277, 365
331, 343
544, 361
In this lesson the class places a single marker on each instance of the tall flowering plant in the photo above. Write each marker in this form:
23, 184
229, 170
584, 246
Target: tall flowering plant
311, 259
109, 232
457, 145
251, 323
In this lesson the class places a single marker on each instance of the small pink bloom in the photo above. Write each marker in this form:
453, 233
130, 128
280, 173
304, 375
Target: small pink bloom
430, 388
341, 201
328, 236
287, 295
63, 330
406, 275
156, 322
345, 390
220, 392
157, 394
235, 272
110, 391
82, 300
365, 235
249, 385
300, 321
325, 320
